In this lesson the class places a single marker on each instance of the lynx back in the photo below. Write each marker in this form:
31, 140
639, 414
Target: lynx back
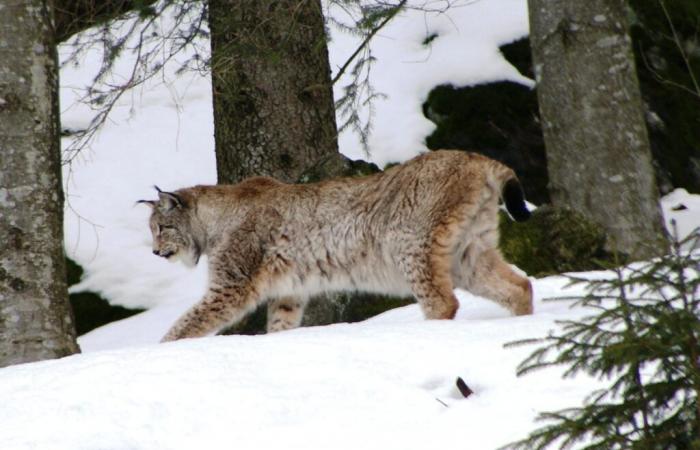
422, 228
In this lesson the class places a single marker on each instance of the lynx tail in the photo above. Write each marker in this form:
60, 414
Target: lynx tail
515, 200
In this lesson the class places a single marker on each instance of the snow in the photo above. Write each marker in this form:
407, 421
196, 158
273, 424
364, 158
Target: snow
683, 209
385, 383
388, 382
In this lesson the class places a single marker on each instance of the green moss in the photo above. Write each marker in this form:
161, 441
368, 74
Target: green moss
553, 241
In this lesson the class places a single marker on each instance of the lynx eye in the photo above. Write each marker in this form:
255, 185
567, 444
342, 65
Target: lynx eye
165, 227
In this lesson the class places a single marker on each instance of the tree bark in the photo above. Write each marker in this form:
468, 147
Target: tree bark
598, 153
35, 317
273, 100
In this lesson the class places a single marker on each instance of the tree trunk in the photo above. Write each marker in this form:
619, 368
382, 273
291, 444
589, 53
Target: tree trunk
274, 113
273, 100
598, 154
35, 318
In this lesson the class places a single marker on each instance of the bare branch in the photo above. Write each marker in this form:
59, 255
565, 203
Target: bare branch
153, 44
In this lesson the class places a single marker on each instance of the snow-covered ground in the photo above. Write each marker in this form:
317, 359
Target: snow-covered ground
386, 383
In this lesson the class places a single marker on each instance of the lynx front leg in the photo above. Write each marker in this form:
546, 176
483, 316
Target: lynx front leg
493, 278
284, 313
238, 281
236, 286
219, 307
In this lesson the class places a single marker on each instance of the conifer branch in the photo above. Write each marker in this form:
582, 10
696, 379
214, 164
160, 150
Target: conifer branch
366, 40
644, 338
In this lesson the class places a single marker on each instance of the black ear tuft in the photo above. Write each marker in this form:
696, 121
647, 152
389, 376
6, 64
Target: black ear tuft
169, 200
150, 203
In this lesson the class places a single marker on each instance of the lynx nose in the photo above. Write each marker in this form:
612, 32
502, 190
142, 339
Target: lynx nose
165, 253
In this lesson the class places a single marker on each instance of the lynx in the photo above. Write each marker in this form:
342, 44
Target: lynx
421, 228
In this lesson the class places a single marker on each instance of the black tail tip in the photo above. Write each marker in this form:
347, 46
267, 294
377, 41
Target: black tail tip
515, 200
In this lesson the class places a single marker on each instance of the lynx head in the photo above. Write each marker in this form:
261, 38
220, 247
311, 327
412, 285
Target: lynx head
172, 228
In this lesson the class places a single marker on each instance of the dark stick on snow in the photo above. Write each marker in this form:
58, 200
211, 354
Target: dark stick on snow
463, 388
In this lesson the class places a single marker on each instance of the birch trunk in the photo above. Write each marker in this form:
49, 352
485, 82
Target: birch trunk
35, 317
598, 154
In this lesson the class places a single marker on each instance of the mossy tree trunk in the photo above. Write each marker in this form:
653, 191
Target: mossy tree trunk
35, 318
598, 154
273, 100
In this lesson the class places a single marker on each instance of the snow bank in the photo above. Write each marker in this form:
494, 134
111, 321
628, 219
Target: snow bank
385, 383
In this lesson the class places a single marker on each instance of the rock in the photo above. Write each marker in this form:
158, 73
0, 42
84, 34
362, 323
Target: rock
89, 308
499, 120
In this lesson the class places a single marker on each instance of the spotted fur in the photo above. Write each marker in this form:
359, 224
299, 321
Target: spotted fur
422, 228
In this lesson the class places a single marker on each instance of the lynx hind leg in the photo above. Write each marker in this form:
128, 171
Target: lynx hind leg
429, 277
284, 313
493, 278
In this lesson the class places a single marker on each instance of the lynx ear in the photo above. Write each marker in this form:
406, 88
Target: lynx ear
169, 200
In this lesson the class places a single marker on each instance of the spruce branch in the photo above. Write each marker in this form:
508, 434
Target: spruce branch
644, 339
368, 38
